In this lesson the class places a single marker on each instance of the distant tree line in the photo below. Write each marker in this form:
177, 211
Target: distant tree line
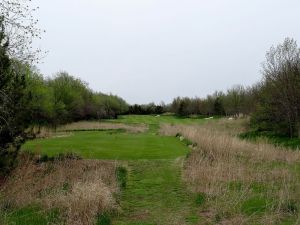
273, 103
147, 109
235, 102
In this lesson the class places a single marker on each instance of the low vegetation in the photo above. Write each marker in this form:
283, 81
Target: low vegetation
72, 191
239, 182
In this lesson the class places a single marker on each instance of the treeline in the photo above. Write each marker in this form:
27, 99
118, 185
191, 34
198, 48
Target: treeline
273, 103
278, 101
235, 102
147, 109
65, 98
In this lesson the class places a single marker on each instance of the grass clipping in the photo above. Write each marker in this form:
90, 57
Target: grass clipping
239, 182
80, 189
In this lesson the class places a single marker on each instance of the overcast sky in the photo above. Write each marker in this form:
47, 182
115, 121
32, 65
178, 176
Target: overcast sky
155, 50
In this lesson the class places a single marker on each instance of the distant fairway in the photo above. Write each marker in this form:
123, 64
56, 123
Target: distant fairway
151, 119
155, 121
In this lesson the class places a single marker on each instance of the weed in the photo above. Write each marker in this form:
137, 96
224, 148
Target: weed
235, 186
103, 219
200, 199
121, 174
254, 205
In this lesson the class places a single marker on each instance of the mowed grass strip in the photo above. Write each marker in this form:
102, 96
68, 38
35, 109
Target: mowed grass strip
155, 194
110, 145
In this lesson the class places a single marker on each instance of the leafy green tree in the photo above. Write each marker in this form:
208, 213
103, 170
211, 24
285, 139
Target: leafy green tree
40, 100
234, 100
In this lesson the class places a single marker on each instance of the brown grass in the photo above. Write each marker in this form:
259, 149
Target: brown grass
93, 125
80, 189
65, 130
231, 171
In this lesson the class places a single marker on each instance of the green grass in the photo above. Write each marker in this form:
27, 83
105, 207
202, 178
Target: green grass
103, 219
118, 144
153, 121
122, 175
254, 205
31, 215
155, 194
110, 145
293, 143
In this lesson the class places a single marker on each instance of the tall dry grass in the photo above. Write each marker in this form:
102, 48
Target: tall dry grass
231, 173
80, 189
65, 130
94, 125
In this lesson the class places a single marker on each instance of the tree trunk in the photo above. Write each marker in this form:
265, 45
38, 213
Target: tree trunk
298, 128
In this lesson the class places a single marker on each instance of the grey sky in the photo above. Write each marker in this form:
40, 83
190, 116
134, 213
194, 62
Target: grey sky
155, 50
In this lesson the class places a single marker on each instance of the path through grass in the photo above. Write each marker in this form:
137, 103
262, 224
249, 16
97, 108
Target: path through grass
156, 195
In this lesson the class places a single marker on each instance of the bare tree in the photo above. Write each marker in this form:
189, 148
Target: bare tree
282, 78
234, 100
21, 29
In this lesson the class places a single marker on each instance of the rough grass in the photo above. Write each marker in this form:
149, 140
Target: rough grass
240, 182
65, 130
64, 192
94, 125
